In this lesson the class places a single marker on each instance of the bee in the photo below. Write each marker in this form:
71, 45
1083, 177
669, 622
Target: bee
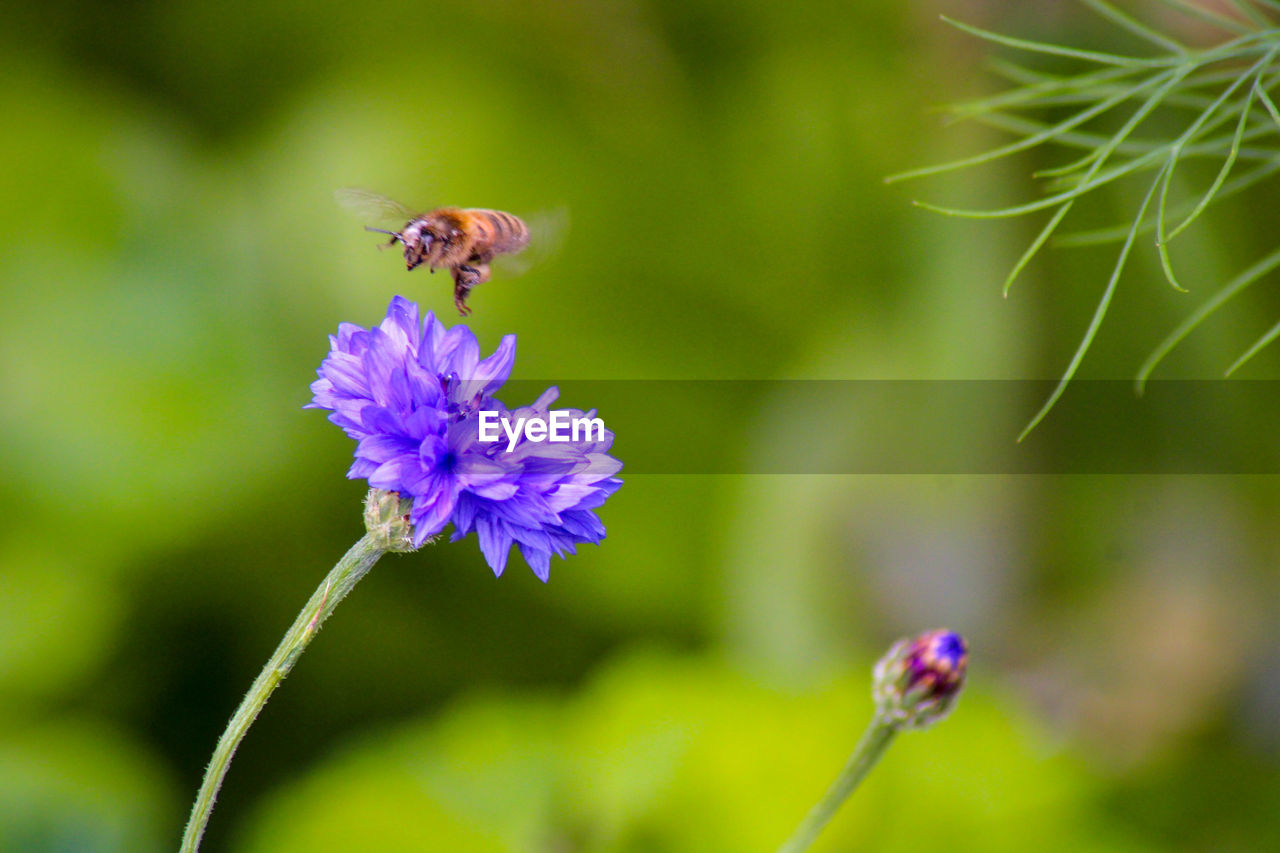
461, 240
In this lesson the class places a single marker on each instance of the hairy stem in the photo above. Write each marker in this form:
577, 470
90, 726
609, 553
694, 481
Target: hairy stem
875, 740
353, 566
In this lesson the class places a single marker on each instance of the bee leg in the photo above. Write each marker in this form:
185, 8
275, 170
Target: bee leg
460, 291
466, 277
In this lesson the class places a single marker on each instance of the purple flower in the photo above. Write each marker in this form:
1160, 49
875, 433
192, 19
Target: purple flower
411, 395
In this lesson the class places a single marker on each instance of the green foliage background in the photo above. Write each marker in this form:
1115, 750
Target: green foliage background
172, 262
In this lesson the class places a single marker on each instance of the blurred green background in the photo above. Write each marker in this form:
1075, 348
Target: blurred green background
172, 262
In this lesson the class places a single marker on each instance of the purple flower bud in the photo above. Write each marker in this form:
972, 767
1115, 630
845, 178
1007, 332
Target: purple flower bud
917, 682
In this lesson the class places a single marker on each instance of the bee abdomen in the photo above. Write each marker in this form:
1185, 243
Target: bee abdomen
508, 231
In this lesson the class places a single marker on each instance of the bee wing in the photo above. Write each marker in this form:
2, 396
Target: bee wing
371, 205
547, 232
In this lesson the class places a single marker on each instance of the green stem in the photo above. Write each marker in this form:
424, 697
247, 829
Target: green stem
345, 575
875, 740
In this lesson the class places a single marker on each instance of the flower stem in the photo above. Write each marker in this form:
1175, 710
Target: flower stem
345, 575
875, 740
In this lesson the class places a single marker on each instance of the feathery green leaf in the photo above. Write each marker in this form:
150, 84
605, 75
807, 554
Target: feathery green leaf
1210, 96
1025, 143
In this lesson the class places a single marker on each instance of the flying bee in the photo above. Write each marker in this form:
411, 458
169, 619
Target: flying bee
461, 240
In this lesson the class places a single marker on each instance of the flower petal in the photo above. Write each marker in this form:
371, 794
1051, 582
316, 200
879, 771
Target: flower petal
538, 560
495, 544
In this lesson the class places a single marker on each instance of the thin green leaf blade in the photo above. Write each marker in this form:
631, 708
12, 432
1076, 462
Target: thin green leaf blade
1135, 26
1270, 335
1162, 241
1099, 313
1227, 166
1222, 22
1041, 238
1059, 50
1210, 305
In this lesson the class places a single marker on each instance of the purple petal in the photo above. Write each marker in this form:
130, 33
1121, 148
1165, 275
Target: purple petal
500, 491
381, 447
479, 470
393, 474
401, 325
495, 544
495, 369
569, 496
549, 396
538, 560
430, 516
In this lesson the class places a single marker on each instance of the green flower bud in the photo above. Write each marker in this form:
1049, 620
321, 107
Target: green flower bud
386, 517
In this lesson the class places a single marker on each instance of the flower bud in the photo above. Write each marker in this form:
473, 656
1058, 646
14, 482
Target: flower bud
386, 517
917, 682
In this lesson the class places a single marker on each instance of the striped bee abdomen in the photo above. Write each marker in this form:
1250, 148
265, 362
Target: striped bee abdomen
507, 233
